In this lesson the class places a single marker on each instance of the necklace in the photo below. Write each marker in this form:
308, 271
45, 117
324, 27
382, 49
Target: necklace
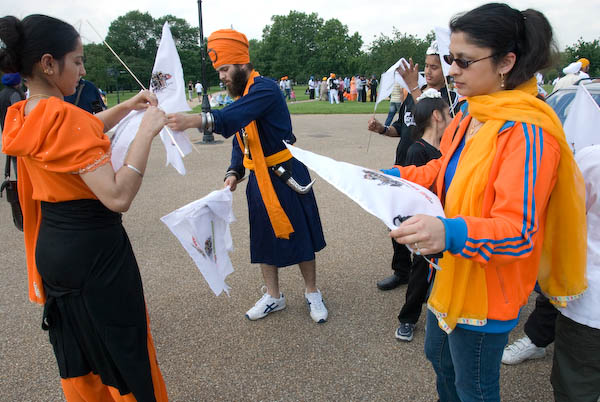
39, 96
474, 127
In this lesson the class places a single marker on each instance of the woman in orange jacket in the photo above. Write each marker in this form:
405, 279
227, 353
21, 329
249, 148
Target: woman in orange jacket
80, 263
513, 198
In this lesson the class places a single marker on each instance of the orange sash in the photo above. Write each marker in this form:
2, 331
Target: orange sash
279, 220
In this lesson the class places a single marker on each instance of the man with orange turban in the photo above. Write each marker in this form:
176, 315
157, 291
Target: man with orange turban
333, 84
573, 73
285, 227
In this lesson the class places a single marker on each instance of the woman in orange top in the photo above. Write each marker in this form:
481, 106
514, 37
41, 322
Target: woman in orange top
79, 259
513, 199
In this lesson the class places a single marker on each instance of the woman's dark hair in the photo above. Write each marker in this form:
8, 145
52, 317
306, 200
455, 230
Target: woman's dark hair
26, 41
422, 114
527, 33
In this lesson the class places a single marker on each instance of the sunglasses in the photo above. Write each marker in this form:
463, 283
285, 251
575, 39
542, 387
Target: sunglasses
462, 63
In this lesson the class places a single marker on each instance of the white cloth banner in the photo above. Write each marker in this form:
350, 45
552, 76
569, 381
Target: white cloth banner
582, 125
387, 197
202, 228
442, 37
391, 76
169, 87
125, 132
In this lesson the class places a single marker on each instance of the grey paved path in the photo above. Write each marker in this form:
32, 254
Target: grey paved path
206, 348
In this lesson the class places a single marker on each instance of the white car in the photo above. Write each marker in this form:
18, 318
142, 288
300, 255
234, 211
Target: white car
562, 99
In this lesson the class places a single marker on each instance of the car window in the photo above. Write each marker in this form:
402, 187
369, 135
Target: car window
560, 102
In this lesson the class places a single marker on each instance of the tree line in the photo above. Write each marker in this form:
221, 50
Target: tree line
297, 45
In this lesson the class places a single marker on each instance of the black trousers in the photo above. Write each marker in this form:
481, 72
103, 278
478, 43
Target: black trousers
416, 292
576, 363
311, 94
401, 261
541, 324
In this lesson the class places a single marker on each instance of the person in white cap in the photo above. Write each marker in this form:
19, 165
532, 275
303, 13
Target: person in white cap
403, 128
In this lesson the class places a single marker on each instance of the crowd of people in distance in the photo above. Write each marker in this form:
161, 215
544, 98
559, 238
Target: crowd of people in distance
334, 89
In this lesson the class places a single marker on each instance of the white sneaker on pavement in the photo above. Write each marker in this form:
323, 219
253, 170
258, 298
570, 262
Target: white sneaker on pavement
521, 350
318, 311
265, 305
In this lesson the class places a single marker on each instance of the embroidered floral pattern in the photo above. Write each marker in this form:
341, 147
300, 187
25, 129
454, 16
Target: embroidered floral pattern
94, 165
446, 328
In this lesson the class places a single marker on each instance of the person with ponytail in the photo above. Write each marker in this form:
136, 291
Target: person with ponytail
80, 263
514, 201
431, 116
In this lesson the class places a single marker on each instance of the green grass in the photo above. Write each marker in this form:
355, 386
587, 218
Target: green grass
111, 98
322, 107
298, 107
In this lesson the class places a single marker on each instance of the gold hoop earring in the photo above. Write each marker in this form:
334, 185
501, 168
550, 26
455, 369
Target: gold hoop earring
501, 80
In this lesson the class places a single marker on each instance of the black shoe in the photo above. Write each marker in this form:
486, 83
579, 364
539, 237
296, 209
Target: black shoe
391, 282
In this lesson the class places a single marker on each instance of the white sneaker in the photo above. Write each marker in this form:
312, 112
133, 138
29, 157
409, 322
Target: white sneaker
318, 311
265, 305
521, 350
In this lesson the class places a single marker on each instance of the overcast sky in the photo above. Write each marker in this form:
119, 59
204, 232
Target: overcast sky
570, 19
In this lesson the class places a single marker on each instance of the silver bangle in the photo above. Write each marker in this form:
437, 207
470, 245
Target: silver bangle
207, 122
134, 169
231, 173
203, 124
210, 122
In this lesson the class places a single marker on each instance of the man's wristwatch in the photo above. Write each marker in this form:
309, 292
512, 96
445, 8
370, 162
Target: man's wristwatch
385, 129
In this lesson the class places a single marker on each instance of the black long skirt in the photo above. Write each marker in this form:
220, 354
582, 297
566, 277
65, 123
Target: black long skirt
95, 311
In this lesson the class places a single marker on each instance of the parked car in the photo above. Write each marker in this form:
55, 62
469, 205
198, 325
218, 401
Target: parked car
562, 99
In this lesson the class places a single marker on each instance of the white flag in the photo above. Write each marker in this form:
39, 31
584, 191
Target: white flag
390, 77
387, 197
582, 124
442, 37
169, 87
202, 228
125, 132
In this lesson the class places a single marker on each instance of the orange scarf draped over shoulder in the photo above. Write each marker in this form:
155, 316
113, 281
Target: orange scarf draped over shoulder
54, 143
459, 293
260, 165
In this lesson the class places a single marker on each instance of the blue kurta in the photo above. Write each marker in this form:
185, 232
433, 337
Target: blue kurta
264, 104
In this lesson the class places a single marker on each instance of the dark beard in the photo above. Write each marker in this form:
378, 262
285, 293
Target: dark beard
238, 82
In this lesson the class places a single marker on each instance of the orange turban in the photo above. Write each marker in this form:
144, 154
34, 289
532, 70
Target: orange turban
227, 46
584, 62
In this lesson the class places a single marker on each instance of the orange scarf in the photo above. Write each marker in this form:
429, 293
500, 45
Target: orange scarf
459, 293
279, 220
54, 143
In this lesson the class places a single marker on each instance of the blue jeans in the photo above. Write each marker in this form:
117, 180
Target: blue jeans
467, 363
394, 107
